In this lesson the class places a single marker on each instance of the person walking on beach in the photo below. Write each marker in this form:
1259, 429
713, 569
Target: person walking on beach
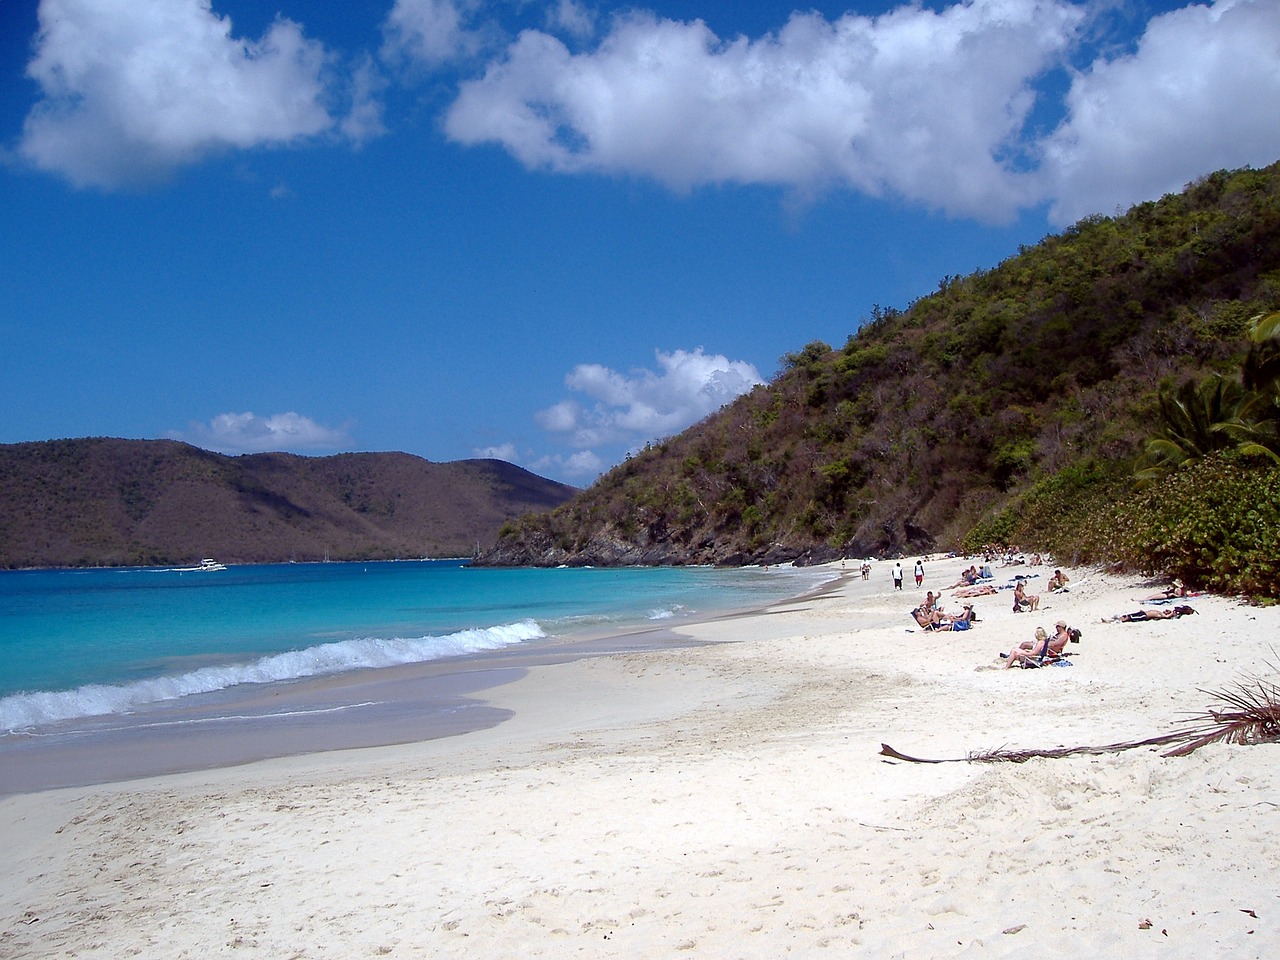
897, 575
919, 573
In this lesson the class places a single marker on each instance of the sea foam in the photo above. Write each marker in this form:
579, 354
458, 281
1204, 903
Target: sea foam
26, 711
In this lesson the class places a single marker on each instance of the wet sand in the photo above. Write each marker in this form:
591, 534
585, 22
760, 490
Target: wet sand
367, 708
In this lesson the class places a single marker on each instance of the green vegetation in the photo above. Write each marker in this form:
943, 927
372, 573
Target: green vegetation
1214, 522
1222, 412
1013, 405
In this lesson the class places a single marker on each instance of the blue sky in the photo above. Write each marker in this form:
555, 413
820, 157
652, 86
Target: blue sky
547, 231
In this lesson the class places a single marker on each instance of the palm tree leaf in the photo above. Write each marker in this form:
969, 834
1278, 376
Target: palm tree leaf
1253, 717
1260, 371
1250, 714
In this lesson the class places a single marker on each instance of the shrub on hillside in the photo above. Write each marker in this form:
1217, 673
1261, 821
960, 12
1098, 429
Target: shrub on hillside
1214, 523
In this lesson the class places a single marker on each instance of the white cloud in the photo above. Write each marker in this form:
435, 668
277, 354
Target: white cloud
582, 465
249, 433
571, 17
363, 121
917, 102
1199, 93
133, 90
560, 418
501, 451
931, 105
644, 405
430, 33
577, 466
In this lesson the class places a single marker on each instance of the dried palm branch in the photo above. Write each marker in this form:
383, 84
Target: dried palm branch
1251, 715
1021, 756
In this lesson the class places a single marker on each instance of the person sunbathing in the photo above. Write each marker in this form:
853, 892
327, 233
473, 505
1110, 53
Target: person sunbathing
982, 590
931, 619
1058, 581
1042, 648
1171, 592
1140, 615
935, 618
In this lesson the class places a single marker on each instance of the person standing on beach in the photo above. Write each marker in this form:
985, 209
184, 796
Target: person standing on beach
919, 573
897, 575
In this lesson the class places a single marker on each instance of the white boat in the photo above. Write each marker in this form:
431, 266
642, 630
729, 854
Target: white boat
208, 563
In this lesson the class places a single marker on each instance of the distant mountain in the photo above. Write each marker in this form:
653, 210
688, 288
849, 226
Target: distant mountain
928, 426
106, 502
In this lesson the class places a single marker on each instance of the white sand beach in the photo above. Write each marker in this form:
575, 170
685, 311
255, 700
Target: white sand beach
726, 801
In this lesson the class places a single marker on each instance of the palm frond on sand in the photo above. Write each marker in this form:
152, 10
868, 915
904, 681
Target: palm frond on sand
1250, 714
1021, 756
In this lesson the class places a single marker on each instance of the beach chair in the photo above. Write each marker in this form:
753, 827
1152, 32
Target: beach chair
1048, 658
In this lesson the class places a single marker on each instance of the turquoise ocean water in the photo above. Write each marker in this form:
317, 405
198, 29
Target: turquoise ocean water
92, 643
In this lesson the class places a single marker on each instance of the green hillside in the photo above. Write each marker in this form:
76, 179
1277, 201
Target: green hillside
931, 427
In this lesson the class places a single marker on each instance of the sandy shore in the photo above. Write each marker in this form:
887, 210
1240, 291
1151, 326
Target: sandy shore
725, 800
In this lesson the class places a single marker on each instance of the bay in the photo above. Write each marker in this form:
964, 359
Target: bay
91, 643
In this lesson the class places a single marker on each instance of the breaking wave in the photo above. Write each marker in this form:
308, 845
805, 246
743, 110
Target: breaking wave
24, 711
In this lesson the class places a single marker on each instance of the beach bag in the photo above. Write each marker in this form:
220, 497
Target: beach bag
960, 625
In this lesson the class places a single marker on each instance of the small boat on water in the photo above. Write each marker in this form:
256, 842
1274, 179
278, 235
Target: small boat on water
208, 563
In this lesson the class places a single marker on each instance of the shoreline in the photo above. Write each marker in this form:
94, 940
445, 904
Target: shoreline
247, 723
725, 798
371, 707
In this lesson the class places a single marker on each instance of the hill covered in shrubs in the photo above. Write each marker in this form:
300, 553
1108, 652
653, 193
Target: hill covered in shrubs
997, 408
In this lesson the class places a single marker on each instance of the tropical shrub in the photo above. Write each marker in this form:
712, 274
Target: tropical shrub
1214, 523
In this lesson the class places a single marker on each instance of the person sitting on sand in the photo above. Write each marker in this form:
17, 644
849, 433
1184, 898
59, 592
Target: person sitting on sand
944, 621
935, 618
1140, 615
1058, 581
965, 619
1063, 635
931, 619
941, 621
1041, 648
967, 578
1023, 599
